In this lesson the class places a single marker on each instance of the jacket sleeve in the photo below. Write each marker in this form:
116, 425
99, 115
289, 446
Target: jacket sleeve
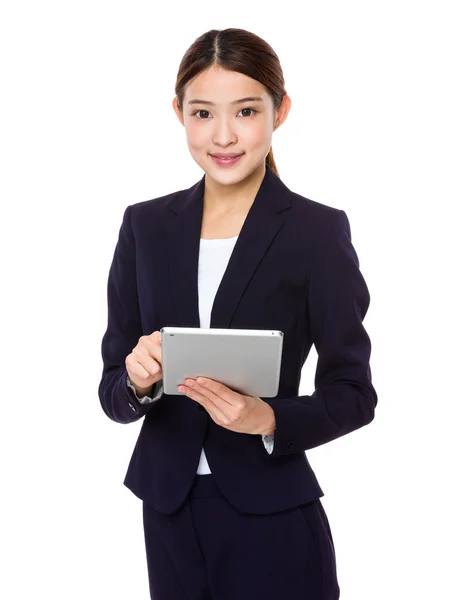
156, 392
344, 398
118, 400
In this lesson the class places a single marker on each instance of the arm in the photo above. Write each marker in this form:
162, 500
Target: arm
118, 399
344, 397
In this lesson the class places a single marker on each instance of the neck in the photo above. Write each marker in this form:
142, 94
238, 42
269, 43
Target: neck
237, 197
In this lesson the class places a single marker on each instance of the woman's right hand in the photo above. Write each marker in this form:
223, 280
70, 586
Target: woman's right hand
144, 363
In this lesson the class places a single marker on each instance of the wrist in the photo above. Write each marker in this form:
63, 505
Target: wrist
140, 392
270, 424
143, 391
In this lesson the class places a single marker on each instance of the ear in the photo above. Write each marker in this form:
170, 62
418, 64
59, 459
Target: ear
177, 111
282, 112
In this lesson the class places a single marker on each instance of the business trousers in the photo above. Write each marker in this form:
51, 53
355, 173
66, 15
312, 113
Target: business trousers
209, 550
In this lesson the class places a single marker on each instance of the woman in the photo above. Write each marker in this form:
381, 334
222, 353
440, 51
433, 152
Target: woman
231, 506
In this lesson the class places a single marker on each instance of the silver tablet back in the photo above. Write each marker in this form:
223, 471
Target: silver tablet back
246, 360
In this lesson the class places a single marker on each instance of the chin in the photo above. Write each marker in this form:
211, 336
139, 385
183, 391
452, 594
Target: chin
227, 178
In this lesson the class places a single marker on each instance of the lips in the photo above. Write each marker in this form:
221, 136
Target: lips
226, 155
226, 160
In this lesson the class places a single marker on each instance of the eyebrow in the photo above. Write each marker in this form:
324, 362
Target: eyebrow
247, 99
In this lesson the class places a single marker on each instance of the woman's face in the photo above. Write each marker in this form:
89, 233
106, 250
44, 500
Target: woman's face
217, 123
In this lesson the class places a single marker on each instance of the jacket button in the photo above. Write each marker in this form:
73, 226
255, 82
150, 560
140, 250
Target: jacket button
290, 445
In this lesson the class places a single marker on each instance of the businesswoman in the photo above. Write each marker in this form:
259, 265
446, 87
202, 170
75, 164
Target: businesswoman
231, 505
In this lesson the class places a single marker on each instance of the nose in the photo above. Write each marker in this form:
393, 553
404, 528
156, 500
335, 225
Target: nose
224, 132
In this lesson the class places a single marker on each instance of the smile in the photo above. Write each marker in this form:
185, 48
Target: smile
226, 162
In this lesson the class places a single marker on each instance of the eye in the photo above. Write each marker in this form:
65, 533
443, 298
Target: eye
206, 111
248, 108
200, 111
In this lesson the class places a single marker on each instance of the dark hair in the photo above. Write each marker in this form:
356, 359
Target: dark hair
234, 50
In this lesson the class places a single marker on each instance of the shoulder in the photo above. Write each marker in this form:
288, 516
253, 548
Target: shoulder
314, 210
153, 206
149, 213
318, 220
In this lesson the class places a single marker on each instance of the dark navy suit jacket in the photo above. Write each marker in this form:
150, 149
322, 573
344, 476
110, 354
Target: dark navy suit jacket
293, 268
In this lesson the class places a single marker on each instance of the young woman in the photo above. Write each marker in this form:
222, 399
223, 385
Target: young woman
231, 506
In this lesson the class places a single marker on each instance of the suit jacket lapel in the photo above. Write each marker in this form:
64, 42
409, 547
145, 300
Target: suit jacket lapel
264, 220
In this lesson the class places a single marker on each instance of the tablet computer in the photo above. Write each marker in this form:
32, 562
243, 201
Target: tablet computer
247, 361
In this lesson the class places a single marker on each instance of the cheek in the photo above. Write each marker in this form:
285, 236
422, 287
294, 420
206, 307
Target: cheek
259, 137
197, 138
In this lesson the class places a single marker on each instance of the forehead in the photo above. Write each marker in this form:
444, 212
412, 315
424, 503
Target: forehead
222, 87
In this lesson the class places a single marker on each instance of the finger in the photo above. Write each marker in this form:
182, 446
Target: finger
156, 336
223, 410
215, 410
217, 389
137, 369
230, 402
141, 355
152, 343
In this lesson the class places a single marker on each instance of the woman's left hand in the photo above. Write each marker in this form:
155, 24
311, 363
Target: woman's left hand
229, 409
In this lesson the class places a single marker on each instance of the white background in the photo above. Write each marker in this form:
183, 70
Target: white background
87, 128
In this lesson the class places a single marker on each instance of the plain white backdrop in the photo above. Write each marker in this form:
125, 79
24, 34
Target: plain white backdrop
87, 128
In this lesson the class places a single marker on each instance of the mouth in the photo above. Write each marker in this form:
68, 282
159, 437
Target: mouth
226, 160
